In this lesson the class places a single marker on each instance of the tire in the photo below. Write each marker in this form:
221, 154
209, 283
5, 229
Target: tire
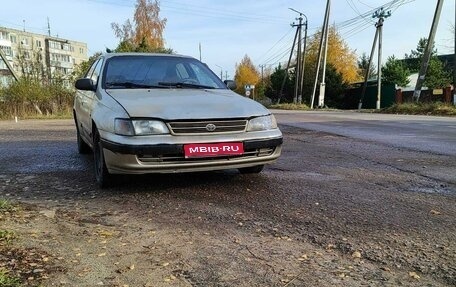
251, 169
102, 175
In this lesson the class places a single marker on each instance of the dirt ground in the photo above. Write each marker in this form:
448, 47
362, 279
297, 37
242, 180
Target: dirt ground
333, 211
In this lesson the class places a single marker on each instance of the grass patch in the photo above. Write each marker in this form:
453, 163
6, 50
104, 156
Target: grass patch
5, 206
35, 116
8, 281
288, 106
437, 109
7, 236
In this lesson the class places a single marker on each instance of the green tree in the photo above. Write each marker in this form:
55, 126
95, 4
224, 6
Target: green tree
394, 72
436, 76
275, 80
363, 64
413, 60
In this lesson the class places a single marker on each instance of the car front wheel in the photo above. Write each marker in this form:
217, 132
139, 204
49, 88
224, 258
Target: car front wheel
102, 175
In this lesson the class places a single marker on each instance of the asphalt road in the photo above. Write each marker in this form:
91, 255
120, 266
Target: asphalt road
422, 133
352, 201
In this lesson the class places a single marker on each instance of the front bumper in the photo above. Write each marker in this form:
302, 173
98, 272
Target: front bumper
168, 157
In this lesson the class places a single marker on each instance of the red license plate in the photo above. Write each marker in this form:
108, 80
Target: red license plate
208, 150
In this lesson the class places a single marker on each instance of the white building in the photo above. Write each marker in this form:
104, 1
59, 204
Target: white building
58, 56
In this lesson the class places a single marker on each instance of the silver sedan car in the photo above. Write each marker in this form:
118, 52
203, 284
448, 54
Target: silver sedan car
157, 113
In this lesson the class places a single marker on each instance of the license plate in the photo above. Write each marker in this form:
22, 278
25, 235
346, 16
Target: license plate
209, 150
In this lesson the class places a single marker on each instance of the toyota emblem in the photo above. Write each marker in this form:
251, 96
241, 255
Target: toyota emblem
211, 127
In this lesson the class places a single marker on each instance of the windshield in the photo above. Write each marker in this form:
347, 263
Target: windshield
143, 71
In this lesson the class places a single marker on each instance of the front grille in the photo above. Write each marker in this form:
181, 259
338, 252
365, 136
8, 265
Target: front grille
176, 158
201, 127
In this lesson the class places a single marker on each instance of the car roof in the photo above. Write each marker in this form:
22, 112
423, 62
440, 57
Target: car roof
110, 55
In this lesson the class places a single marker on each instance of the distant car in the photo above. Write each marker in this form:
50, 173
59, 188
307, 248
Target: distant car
158, 113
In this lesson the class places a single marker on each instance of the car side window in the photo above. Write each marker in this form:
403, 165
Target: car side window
203, 77
96, 72
90, 71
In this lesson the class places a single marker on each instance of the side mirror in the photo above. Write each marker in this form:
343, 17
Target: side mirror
230, 84
85, 84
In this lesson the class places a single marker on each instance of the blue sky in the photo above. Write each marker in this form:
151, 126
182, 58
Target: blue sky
228, 30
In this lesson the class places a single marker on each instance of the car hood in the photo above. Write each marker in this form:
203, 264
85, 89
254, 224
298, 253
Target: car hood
173, 104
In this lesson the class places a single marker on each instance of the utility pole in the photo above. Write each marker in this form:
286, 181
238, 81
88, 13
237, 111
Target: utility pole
381, 15
200, 50
226, 75
286, 69
366, 75
263, 89
299, 72
325, 21
298, 62
321, 98
303, 62
379, 72
262, 78
221, 72
427, 52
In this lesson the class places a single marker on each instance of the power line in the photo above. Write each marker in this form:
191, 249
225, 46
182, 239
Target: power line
203, 11
355, 9
273, 46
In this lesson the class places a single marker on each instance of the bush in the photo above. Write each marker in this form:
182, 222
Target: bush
32, 98
290, 107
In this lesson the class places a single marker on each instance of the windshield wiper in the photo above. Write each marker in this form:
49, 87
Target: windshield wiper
132, 85
184, 85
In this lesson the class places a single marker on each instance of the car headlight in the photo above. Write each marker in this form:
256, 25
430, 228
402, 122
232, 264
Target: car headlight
128, 127
262, 123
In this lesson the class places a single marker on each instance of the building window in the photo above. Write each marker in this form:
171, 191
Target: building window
25, 41
3, 35
54, 45
38, 43
81, 50
60, 58
7, 50
13, 39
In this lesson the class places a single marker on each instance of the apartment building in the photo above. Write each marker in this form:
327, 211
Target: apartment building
59, 56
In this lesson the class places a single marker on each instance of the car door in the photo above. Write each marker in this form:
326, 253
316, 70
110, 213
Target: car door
86, 99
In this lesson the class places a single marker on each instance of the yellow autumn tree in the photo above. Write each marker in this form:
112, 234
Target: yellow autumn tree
340, 56
246, 74
146, 34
